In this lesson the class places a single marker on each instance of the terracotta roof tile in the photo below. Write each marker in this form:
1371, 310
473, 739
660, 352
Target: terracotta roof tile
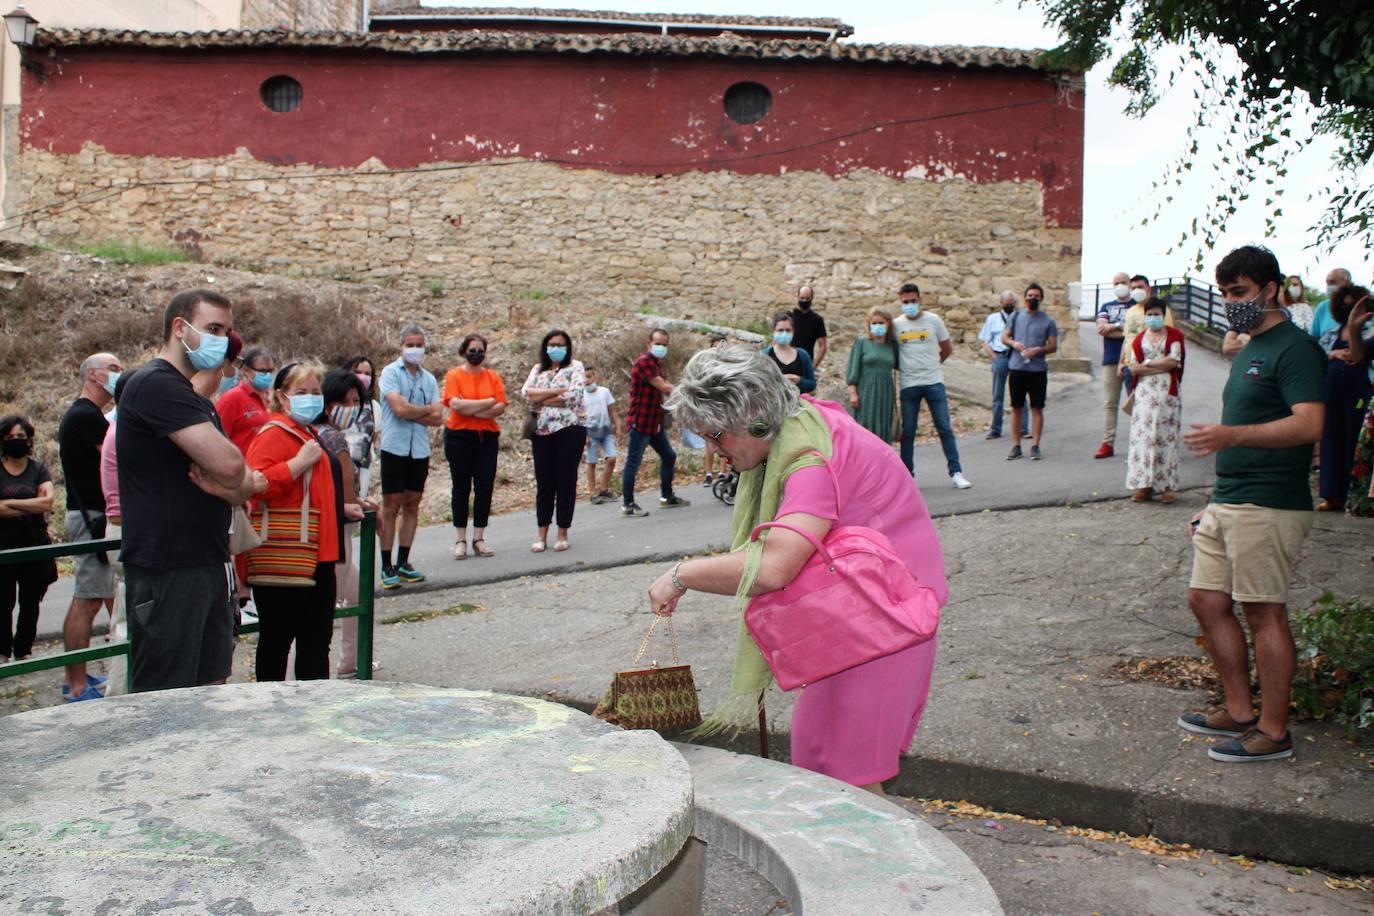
469, 42
480, 12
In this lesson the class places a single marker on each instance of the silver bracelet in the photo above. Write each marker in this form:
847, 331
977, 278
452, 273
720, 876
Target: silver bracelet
677, 583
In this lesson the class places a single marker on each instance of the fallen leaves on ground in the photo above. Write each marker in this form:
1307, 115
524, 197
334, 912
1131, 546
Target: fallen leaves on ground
1147, 844
1181, 671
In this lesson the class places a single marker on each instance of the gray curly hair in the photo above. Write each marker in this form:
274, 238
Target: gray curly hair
727, 388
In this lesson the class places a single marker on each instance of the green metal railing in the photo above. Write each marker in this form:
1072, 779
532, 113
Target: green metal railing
363, 610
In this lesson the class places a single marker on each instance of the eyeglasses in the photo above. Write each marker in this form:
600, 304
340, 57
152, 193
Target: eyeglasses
716, 436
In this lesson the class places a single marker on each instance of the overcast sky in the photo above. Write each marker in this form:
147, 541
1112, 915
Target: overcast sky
1123, 155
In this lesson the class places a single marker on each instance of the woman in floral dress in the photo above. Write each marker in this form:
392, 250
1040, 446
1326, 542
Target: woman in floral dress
1157, 416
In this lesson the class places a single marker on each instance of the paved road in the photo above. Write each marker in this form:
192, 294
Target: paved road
602, 539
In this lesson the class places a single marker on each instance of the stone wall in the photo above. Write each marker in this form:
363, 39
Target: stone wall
711, 245
303, 15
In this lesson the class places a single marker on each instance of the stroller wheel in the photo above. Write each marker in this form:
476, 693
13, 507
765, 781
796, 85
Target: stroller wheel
724, 489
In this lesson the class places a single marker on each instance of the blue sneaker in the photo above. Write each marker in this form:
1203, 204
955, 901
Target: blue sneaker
93, 680
390, 580
90, 693
409, 573
92, 683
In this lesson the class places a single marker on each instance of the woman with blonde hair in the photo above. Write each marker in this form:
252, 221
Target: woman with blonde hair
1293, 297
288, 453
872, 391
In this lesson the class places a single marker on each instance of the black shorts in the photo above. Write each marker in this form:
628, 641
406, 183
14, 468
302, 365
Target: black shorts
403, 475
1025, 384
181, 626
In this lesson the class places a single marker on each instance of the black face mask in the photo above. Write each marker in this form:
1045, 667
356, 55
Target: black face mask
475, 356
1032, 304
1008, 308
804, 304
16, 448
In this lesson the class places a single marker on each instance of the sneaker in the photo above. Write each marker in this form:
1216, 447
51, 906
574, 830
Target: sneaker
390, 580
1014, 453
992, 435
1215, 722
1252, 746
409, 573
1035, 453
249, 612
90, 693
959, 481
597, 499
632, 511
606, 496
673, 502
1105, 450
708, 481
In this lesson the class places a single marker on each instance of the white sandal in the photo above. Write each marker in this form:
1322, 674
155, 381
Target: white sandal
538, 547
460, 550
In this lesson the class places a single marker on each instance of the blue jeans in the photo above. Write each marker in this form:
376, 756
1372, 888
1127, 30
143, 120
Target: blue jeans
935, 396
667, 460
999, 390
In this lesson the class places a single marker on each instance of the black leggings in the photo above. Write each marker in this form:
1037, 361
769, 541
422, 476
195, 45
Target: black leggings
557, 458
471, 458
30, 582
305, 615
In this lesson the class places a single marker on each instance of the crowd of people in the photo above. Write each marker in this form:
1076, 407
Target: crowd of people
238, 483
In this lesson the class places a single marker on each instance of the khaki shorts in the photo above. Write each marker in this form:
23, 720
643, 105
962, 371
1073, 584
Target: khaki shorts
1248, 551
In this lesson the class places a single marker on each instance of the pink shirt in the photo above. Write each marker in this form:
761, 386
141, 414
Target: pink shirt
109, 477
876, 491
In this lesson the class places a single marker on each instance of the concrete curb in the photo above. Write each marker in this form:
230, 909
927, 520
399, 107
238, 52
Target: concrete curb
1283, 836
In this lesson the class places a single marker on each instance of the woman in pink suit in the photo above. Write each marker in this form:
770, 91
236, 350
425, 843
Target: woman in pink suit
852, 725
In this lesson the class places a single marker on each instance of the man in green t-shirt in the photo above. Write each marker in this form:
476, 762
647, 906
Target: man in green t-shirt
1246, 541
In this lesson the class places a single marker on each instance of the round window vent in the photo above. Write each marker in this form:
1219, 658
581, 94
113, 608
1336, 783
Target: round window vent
281, 94
746, 103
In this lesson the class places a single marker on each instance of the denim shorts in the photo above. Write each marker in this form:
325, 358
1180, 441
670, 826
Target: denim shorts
599, 447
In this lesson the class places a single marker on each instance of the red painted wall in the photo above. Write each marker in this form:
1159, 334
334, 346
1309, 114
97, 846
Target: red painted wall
647, 115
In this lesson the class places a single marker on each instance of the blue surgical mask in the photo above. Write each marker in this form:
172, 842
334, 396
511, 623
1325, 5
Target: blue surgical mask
557, 354
261, 380
306, 407
209, 353
782, 338
911, 309
1154, 322
658, 351
109, 385
877, 330
227, 384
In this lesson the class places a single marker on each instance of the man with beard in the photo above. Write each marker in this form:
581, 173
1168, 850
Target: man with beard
808, 328
1032, 335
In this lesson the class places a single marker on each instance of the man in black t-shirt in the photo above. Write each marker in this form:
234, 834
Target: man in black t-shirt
179, 476
79, 440
808, 328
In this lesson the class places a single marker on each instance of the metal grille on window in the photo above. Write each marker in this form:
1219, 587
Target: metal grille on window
282, 94
746, 103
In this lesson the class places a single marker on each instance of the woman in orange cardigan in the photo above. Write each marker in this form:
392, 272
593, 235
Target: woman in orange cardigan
283, 450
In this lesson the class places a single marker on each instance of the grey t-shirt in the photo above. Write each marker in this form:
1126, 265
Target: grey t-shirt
918, 348
1032, 329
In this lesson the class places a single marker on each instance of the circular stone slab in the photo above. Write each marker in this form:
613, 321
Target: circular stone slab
332, 797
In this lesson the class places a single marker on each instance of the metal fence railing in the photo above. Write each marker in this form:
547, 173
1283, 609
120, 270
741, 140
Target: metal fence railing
364, 610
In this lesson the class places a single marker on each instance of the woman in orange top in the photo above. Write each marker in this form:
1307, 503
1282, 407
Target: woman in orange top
284, 449
475, 397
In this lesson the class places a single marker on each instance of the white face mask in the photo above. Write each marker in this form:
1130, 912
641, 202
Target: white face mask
413, 355
1138, 295
1295, 292
1121, 290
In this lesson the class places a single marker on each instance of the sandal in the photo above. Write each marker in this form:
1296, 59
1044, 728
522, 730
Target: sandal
1168, 496
560, 546
460, 550
1142, 495
482, 551
538, 547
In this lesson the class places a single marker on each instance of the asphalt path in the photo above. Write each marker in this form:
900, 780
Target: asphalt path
602, 539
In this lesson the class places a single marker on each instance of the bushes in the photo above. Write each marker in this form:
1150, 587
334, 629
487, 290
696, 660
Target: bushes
1335, 677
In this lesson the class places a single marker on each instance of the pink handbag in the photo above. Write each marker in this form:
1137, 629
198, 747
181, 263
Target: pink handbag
853, 601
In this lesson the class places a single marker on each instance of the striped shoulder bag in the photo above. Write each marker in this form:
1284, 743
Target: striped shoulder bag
289, 550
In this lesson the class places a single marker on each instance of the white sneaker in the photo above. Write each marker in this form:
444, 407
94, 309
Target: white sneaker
249, 612
959, 481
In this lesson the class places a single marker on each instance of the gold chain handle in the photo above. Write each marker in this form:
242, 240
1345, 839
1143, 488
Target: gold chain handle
672, 636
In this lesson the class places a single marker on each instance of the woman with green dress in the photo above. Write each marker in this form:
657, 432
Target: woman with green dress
872, 391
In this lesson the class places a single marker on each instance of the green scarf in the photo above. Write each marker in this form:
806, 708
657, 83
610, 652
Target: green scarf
756, 501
